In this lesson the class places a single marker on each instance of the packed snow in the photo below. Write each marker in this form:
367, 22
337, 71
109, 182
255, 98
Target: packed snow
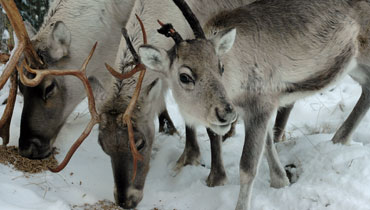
332, 177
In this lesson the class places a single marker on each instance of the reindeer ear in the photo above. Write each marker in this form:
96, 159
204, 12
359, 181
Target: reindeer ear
59, 41
154, 58
224, 41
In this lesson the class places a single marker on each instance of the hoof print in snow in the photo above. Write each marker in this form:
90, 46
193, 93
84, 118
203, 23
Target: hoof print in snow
292, 173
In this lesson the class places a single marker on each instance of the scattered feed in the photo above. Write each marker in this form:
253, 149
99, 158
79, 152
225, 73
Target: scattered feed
100, 205
10, 156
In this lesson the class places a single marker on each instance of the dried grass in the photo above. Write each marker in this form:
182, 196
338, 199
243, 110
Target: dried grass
100, 205
10, 156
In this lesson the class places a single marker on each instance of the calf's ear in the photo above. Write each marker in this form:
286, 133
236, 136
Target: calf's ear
224, 41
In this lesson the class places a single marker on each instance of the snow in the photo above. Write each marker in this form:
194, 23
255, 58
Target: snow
332, 177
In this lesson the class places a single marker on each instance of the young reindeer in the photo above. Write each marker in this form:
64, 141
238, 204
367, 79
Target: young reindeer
68, 32
255, 59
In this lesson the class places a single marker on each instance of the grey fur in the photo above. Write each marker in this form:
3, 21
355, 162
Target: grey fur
151, 100
66, 37
361, 74
284, 50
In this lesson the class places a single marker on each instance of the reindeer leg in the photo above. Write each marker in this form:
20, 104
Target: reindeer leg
281, 121
191, 154
256, 123
165, 124
344, 133
278, 176
217, 176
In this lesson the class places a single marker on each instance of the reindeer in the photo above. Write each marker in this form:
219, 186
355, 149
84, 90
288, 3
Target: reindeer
113, 102
253, 59
65, 37
361, 74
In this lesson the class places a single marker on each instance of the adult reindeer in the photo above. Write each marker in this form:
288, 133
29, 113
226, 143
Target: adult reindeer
113, 101
361, 74
283, 50
68, 32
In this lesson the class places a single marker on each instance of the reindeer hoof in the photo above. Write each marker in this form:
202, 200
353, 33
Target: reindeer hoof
344, 141
187, 159
281, 180
216, 179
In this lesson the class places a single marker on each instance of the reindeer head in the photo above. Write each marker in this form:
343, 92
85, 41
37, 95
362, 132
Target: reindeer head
127, 127
44, 104
194, 70
114, 139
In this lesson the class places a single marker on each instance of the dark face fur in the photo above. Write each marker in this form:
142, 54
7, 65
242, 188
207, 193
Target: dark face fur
113, 138
45, 105
41, 118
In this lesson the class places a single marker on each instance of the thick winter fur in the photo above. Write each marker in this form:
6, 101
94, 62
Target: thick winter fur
151, 100
361, 74
66, 37
283, 50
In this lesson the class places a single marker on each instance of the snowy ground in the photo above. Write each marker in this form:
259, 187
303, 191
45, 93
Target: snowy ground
330, 176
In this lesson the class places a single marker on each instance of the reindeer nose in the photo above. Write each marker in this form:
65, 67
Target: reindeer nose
225, 114
34, 149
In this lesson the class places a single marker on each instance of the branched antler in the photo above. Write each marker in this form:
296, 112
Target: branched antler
24, 47
80, 74
126, 118
8, 112
136, 60
24, 43
95, 118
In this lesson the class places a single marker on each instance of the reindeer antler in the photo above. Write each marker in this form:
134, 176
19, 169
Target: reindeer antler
24, 43
24, 46
191, 18
126, 118
80, 74
169, 31
8, 112
95, 118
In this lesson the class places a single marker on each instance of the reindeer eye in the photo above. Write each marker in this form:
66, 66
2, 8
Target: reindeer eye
48, 91
221, 68
140, 144
186, 79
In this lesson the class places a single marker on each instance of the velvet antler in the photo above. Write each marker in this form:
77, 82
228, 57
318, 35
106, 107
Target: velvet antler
169, 31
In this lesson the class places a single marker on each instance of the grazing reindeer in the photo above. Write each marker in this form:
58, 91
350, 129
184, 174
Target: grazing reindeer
283, 50
113, 102
64, 39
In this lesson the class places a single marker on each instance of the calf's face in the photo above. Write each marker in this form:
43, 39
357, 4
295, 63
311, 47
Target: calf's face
194, 71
